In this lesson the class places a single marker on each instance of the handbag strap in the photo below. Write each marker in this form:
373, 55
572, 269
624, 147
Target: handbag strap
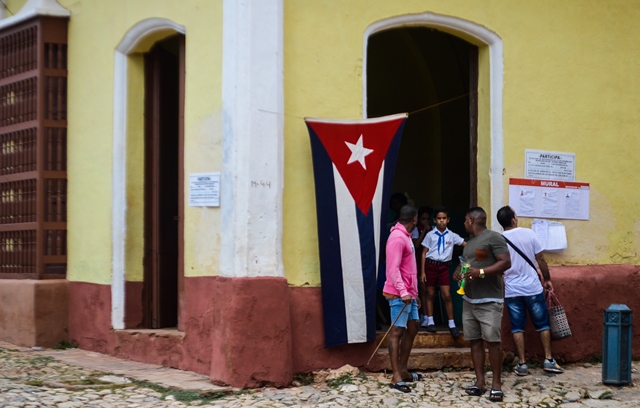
526, 258
552, 300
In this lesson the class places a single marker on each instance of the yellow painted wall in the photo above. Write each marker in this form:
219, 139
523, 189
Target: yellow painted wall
12, 6
95, 29
570, 84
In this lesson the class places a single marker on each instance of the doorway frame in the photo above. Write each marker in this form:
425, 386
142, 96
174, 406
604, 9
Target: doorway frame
481, 37
152, 308
139, 39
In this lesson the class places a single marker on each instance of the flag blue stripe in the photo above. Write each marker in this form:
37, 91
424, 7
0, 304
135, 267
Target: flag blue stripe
334, 315
389, 174
368, 257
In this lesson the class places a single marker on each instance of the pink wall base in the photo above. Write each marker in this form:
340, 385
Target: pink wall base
33, 312
251, 339
584, 292
307, 335
247, 332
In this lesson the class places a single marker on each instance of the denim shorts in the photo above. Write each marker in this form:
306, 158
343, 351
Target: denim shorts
537, 307
409, 313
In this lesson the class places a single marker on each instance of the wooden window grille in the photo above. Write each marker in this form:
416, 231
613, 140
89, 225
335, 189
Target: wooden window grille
33, 149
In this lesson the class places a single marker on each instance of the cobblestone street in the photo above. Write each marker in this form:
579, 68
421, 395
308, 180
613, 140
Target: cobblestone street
76, 378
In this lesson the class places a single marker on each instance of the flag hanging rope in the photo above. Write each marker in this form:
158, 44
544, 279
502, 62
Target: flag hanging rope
410, 113
439, 103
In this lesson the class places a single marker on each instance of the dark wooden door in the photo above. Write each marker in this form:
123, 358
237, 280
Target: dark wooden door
163, 182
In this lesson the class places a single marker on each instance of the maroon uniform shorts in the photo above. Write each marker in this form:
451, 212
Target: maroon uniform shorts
437, 274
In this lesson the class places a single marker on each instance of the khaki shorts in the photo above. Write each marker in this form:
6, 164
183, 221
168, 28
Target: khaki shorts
482, 321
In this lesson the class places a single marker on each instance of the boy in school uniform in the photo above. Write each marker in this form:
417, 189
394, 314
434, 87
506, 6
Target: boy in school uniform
437, 249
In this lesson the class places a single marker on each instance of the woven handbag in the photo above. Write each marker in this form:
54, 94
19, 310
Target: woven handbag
557, 318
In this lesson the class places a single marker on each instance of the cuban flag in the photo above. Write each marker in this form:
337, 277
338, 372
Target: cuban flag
354, 163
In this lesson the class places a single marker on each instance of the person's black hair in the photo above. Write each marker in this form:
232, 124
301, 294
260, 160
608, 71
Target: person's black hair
440, 209
479, 215
505, 215
401, 198
424, 210
407, 213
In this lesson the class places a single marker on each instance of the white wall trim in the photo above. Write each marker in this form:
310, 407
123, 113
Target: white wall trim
252, 138
485, 36
130, 43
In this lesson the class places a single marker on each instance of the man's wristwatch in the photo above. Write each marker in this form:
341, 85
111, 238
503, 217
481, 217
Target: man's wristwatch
482, 273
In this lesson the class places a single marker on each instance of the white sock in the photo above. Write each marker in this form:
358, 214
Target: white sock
452, 324
430, 320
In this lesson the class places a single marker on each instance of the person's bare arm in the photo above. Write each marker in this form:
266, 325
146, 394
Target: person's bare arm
503, 262
456, 275
423, 275
544, 268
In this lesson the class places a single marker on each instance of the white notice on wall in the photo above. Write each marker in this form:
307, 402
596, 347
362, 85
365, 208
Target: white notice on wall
552, 235
545, 165
549, 198
204, 189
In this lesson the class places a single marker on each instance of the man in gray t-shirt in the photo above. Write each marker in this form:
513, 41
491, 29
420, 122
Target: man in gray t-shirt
488, 256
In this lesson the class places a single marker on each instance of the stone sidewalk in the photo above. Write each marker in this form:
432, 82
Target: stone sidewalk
77, 378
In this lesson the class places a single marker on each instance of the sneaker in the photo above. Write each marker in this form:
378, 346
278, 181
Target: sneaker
455, 333
431, 328
521, 369
425, 322
551, 366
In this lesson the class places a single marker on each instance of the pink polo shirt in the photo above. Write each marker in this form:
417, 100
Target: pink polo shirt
402, 272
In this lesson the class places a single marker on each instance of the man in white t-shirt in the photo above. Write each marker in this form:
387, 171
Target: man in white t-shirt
523, 290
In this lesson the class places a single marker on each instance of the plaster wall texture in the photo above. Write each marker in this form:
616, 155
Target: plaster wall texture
569, 85
95, 30
284, 328
34, 312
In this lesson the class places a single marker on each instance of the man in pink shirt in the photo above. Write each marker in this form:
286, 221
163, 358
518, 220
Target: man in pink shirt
401, 290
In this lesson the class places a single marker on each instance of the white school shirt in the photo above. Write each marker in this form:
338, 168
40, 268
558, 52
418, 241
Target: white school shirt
521, 279
444, 251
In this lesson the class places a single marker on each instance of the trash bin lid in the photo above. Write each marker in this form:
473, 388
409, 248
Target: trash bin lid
615, 307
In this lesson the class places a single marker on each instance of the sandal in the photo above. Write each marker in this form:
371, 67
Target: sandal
401, 386
475, 391
496, 396
414, 377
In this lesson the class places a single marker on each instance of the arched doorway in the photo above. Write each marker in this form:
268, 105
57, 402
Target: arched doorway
147, 168
433, 76
163, 190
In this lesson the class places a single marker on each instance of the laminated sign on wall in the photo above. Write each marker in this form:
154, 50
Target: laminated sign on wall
551, 234
549, 198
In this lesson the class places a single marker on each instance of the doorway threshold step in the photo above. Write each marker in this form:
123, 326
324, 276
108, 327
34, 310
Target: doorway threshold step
425, 340
429, 359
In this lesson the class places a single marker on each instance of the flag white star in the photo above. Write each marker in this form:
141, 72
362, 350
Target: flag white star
358, 152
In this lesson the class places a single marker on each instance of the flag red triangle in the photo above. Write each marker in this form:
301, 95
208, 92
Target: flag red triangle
358, 150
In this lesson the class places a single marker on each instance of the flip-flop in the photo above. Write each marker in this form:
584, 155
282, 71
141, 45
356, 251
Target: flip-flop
475, 391
496, 396
401, 386
414, 377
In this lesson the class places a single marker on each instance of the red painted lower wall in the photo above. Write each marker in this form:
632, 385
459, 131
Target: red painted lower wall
246, 332
584, 292
307, 336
